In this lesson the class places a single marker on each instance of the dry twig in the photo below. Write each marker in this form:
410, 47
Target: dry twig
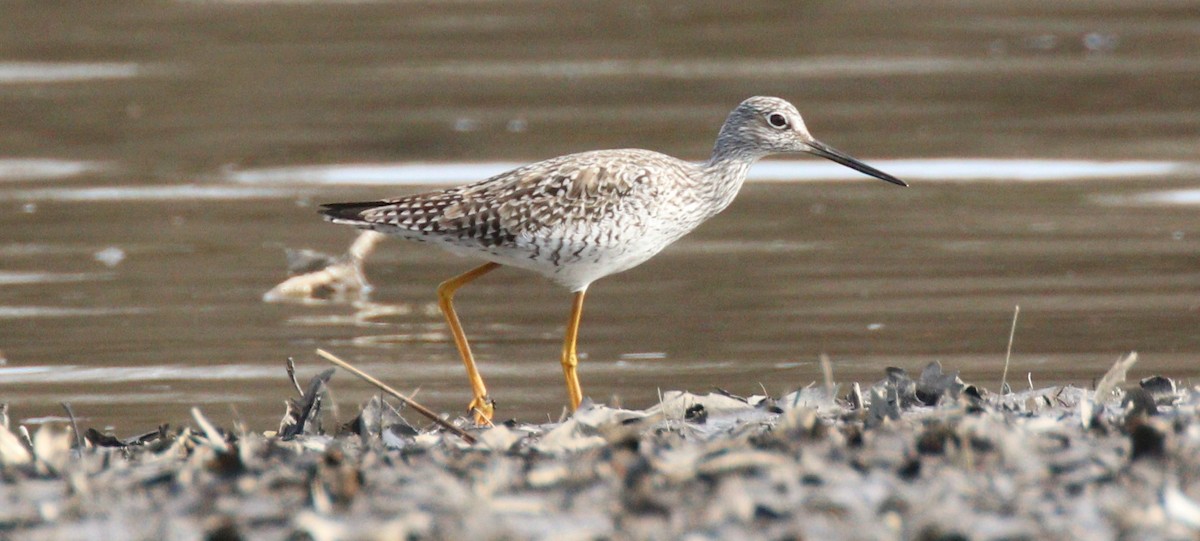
407, 401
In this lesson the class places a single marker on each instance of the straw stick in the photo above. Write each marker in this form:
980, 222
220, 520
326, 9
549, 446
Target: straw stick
408, 401
1011, 334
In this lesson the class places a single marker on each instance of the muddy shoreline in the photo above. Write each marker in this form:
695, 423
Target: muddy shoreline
916, 457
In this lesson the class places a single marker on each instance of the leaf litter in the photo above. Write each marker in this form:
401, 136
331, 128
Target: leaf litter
924, 458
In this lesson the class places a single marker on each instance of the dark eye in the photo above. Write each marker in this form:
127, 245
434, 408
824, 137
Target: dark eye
777, 120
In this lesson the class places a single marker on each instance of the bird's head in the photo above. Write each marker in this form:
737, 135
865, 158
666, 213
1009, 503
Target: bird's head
764, 125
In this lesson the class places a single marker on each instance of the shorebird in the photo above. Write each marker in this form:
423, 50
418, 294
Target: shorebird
581, 217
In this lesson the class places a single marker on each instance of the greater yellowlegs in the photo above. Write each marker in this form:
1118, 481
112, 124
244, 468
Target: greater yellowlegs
581, 217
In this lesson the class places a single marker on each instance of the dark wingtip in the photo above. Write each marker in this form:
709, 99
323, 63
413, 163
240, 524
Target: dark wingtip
347, 211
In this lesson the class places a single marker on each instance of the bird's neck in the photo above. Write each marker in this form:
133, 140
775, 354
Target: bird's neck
725, 172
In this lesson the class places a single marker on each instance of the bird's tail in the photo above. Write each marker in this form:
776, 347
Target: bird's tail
349, 213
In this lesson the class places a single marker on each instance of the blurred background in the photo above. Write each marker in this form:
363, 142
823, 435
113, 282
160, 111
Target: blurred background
157, 158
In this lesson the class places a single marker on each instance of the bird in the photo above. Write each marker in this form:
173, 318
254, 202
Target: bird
580, 217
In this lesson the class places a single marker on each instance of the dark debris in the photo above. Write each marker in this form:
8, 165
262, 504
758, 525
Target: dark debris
929, 458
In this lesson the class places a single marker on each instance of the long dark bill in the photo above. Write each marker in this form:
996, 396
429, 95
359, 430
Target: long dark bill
818, 148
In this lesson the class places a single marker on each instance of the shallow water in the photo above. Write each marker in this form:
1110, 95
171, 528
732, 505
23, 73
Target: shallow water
156, 162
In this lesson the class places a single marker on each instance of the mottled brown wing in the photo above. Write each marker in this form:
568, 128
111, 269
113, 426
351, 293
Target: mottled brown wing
547, 198
417, 214
535, 200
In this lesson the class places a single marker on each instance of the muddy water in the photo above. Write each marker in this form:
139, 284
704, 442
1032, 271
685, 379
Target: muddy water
147, 199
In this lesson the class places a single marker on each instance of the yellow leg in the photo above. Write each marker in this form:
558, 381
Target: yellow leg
569, 360
481, 405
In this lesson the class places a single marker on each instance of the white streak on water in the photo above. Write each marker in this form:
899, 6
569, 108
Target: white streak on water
811, 67
146, 193
373, 174
24, 312
951, 170
125, 374
61, 72
957, 170
1165, 197
646, 356
281, 182
22, 278
20, 169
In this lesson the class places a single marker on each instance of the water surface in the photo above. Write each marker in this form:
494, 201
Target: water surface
157, 160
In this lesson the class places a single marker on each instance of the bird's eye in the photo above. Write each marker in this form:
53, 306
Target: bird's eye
777, 120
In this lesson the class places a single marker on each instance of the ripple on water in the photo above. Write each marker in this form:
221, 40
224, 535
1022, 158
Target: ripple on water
1163, 197
756, 69
190, 192
26, 169
22, 312
21, 278
949, 169
125, 374
66, 72
957, 170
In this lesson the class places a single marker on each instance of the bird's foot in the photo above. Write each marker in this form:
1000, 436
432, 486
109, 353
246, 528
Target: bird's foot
482, 408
